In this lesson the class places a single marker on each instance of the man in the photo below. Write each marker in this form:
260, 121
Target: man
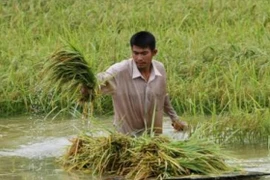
138, 89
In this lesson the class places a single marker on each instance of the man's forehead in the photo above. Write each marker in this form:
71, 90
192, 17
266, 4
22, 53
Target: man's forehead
140, 49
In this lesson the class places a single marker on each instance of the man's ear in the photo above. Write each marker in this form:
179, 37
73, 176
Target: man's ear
154, 52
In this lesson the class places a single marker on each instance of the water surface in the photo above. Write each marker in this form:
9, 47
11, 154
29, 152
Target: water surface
30, 146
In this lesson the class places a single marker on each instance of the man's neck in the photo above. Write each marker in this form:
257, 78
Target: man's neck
146, 72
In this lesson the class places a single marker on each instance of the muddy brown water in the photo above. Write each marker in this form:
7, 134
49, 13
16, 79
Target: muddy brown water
30, 146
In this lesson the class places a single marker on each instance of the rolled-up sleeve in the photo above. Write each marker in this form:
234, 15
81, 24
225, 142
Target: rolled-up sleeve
106, 81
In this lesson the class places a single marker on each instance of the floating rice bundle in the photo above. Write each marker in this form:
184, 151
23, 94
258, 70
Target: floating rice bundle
144, 157
68, 66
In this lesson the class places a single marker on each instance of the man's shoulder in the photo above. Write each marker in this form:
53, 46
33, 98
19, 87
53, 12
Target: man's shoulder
158, 64
122, 65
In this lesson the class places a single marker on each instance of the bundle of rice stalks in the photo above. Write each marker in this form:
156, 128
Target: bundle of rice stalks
144, 157
100, 155
68, 66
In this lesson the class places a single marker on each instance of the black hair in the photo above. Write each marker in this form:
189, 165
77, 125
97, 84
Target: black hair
143, 39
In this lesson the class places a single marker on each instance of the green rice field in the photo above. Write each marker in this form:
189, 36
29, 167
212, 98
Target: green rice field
216, 53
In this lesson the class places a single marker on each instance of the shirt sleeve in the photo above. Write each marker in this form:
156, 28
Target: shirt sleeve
106, 81
169, 110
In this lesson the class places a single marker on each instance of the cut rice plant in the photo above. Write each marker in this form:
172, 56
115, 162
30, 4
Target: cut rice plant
144, 157
68, 68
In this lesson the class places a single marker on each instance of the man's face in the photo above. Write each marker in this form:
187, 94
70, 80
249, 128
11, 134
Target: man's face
143, 56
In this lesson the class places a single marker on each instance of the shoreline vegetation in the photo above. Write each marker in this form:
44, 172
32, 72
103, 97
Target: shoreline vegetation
215, 52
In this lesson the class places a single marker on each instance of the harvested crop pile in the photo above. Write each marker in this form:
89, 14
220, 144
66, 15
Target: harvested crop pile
143, 157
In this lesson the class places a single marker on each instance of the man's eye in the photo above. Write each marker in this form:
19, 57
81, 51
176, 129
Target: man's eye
144, 53
140, 53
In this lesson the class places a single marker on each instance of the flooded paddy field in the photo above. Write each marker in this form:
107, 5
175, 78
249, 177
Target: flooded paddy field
30, 147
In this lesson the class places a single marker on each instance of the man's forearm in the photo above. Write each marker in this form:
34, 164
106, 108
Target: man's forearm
169, 110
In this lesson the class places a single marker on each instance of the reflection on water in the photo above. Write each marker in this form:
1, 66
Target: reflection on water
29, 148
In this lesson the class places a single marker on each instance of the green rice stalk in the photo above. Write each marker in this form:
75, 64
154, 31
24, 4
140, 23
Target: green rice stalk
68, 70
69, 66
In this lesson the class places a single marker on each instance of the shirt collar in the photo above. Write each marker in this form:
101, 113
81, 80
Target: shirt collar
136, 73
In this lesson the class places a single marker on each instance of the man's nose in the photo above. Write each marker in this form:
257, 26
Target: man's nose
140, 57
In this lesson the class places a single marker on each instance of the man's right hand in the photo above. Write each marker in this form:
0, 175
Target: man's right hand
179, 125
85, 94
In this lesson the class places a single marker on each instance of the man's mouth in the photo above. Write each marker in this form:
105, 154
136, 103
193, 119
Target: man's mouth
140, 63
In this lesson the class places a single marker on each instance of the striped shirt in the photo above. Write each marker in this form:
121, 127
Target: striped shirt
137, 103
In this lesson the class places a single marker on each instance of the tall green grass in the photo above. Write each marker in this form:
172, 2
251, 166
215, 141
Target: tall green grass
215, 52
